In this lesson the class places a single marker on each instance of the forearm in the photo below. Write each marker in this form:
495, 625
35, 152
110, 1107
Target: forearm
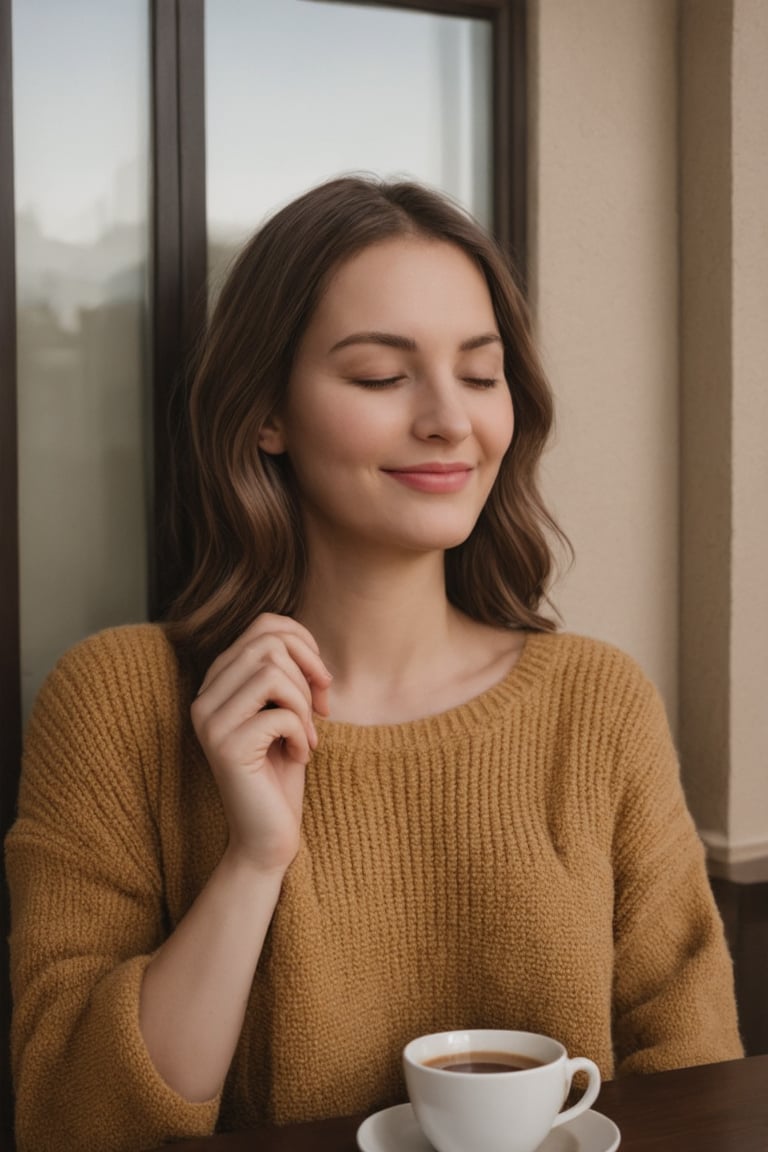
253, 718
195, 990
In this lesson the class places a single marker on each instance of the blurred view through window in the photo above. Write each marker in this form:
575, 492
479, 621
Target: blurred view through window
81, 103
299, 91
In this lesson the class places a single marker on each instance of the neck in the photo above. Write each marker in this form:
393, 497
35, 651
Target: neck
379, 620
397, 649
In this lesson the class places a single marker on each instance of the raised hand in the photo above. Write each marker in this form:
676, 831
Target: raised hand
253, 718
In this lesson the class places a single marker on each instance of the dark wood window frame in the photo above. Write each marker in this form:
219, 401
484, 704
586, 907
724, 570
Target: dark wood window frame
179, 255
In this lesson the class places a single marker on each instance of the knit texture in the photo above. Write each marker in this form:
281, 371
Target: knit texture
525, 860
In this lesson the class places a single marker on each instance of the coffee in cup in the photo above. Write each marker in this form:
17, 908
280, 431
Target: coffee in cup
492, 1090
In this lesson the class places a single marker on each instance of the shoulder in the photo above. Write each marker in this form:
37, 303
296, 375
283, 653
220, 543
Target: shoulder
125, 672
123, 643
592, 681
101, 745
613, 728
586, 663
133, 650
106, 725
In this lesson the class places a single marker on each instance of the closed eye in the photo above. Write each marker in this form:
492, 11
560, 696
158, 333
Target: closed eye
378, 382
481, 381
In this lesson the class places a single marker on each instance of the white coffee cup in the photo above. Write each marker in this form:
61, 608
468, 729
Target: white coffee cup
493, 1111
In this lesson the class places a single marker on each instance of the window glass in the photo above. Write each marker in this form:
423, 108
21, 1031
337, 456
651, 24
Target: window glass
81, 139
299, 91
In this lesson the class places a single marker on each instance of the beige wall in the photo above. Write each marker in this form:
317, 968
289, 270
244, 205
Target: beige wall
604, 280
649, 254
748, 817
724, 89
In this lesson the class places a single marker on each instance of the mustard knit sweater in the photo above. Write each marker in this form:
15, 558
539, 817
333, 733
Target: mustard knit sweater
525, 860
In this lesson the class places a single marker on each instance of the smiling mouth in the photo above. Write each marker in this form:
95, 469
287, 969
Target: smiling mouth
433, 466
437, 478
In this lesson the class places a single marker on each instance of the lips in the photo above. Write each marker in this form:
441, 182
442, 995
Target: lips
432, 477
433, 466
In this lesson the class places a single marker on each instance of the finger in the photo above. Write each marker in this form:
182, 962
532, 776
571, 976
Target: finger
265, 652
287, 652
294, 636
247, 745
315, 671
265, 624
273, 622
320, 700
270, 689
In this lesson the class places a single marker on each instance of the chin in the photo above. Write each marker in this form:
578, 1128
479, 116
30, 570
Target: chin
421, 534
439, 541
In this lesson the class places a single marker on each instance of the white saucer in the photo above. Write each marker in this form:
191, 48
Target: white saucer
397, 1130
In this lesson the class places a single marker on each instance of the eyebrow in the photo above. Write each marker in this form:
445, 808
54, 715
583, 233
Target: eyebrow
406, 344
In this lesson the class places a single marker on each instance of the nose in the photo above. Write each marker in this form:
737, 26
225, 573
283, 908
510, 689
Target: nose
441, 412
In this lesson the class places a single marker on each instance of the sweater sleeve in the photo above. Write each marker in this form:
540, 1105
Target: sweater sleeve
87, 907
673, 999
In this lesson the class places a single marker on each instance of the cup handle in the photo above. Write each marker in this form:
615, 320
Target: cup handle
580, 1064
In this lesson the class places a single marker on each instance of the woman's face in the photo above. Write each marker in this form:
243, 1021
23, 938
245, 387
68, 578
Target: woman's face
398, 413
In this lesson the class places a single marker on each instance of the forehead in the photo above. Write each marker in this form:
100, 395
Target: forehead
406, 281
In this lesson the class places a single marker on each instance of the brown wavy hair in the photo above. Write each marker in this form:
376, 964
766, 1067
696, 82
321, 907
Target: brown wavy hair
247, 553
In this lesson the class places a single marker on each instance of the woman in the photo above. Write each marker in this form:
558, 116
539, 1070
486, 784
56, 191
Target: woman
356, 789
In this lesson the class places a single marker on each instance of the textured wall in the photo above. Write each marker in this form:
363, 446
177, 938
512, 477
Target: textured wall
724, 621
604, 257
649, 254
748, 812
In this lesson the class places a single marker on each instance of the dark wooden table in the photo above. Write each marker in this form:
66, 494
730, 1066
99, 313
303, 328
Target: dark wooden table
716, 1108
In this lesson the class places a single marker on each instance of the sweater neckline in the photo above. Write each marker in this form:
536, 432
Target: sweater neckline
476, 712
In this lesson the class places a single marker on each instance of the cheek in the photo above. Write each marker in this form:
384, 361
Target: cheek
359, 433
338, 435
501, 425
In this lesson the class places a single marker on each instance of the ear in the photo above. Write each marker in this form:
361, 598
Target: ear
271, 437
